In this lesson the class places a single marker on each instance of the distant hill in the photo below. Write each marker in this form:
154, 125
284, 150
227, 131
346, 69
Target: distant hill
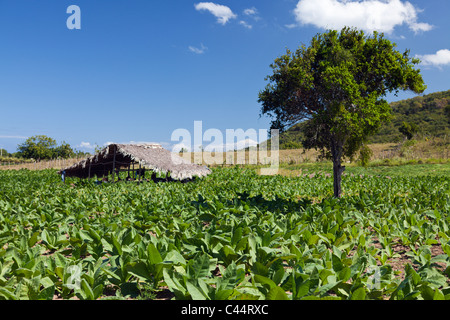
427, 112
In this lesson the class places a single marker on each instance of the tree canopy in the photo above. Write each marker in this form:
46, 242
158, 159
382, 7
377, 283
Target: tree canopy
447, 112
41, 147
338, 84
408, 129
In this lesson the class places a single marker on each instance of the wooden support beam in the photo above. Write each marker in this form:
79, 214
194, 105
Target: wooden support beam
139, 179
114, 166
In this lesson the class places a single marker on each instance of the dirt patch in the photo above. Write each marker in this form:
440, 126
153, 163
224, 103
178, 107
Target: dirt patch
401, 257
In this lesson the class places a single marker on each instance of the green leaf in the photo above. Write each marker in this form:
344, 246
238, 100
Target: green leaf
313, 240
174, 285
438, 295
94, 234
47, 293
195, 293
236, 236
111, 274
323, 290
321, 298
337, 263
276, 293
23, 272
265, 281
231, 277
7, 294
201, 267
116, 245
241, 244
228, 254
359, 294
278, 276
98, 291
345, 274
33, 239
175, 257
139, 269
153, 254
46, 282
302, 289
223, 294
86, 290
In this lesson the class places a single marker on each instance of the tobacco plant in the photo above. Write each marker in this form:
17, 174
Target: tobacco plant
231, 235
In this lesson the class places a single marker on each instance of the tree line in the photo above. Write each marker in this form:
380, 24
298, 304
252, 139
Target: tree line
425, 115
41, 147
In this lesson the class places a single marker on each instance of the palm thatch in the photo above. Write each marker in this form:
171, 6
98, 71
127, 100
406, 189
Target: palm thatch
150, 156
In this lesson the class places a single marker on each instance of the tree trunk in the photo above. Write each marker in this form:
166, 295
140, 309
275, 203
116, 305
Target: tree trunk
337, 178
336, 153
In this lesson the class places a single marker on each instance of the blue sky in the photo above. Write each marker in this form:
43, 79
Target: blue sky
137, 70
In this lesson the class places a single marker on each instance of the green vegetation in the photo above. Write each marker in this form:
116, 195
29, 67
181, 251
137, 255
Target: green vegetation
4, 153
382, 168
338, 84
13, 161
41, 147
409, 130
426, 112
231, 235
237, 235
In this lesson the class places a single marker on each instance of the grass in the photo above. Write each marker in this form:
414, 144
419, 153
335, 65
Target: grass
400, 169
418, 157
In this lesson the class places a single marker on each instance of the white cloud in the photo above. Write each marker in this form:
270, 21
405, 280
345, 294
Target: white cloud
368, 15
131, 142
216, 147
244, 144
222, 13
290, 26
251, 11
196, 50
245, 24
13, 137
230, 146
420, 26
438, 59
86, 145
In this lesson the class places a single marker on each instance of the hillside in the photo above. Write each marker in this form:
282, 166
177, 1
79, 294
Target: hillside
427, 112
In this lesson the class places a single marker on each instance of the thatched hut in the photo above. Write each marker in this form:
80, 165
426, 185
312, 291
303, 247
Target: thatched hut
117, 158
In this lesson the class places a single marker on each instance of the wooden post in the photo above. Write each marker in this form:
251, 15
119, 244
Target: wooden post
114, 166
139, 178
90, 164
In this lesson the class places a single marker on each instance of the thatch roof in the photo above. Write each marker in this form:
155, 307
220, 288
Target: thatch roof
149, 156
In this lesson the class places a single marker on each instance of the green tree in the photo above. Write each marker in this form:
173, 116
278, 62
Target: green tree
447, 112
64, 151
408, 129
338, 84
37, 147
4, 153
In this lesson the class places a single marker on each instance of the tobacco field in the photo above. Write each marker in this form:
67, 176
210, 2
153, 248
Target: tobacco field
231, 235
